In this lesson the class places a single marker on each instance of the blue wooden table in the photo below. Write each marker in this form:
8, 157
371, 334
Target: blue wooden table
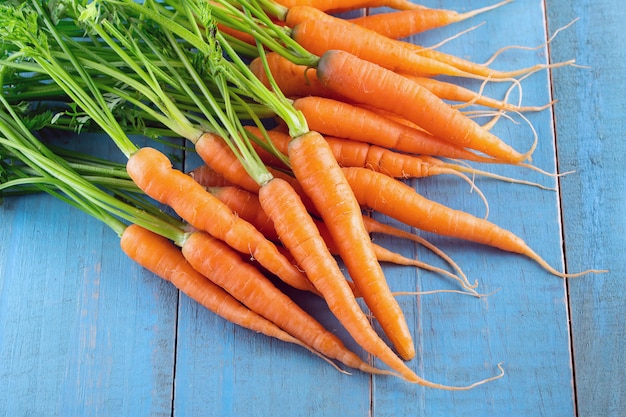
83, 331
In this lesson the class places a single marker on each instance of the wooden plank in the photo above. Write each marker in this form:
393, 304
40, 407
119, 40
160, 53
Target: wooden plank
83, 331
524, 325
591, 142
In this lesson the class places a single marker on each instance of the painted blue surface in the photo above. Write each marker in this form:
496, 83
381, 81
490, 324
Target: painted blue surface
83, 331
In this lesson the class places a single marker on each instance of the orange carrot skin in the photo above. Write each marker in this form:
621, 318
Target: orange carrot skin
248, 207
152, 171
320, 32
398, 200
370, 84
396, 4
215, 152
454, 92
164, 259
220, 264
341, 119
324, 183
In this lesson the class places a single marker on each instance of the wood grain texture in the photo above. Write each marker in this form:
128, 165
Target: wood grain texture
591, 141
83, 331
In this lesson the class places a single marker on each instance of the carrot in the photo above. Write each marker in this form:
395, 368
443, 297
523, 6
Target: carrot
323, 182
153, 173
309, 249
318, 32
368, 83
341, 119
397, 200
404, 23
165, 259
292, 79
335, 6
219, 263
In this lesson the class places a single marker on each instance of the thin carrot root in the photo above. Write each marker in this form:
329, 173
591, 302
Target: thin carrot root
466, 387
486, 174
545, 265
528, 48
431, 292
374, 226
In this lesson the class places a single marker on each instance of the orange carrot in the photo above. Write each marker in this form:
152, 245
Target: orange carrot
368, 83
219, 263
166, 260
292, 79
319, 32
397, 200
327, 5
341, 119
152, 171
374, 226
323, 182
404, 23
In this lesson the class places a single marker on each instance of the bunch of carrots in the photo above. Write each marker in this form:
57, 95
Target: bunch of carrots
302, 119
